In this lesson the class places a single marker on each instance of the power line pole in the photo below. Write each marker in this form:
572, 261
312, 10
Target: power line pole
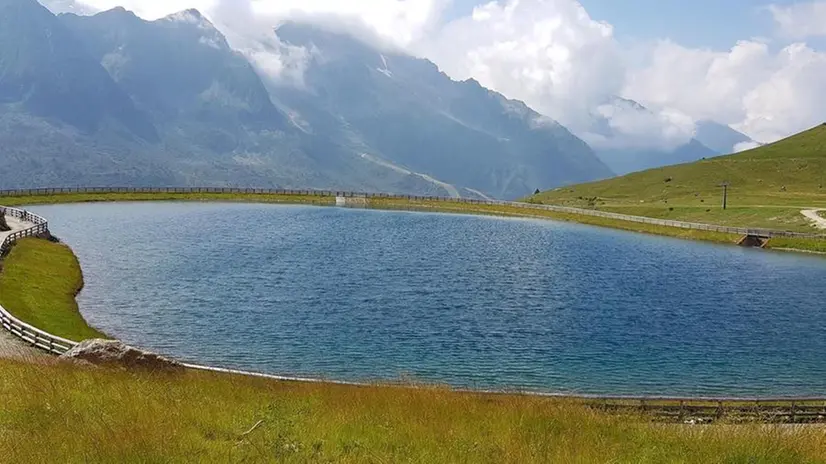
725, 193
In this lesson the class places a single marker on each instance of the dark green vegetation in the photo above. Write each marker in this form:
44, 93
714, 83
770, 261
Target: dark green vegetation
38, 284
769, 186
57, 412
113, 99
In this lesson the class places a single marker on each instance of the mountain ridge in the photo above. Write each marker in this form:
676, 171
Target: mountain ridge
171, 103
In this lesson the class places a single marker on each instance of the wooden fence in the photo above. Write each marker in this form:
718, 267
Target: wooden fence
759, 232
29, 334
39, 227
33, 336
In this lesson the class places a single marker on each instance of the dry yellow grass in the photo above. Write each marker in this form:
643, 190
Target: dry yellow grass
65, 413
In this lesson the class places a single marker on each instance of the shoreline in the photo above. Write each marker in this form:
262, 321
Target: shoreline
777, 240
503, 391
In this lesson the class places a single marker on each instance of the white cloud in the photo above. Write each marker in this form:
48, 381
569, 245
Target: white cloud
766, 95
151, 9
800, 20
400, 21
555, 57
743, 146
549, 53
634, 127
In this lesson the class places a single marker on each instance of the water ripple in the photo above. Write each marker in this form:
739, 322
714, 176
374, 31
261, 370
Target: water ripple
470, 301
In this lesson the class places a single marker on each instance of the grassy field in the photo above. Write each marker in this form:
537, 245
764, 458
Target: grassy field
769, 186
64, 413
38, 284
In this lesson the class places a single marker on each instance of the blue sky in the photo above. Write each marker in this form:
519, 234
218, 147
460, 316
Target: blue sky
716, 24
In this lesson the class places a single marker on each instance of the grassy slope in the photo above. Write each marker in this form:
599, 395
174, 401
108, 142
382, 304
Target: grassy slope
38, 284
769, 187
67, 414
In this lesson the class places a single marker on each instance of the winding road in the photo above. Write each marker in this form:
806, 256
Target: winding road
818, 220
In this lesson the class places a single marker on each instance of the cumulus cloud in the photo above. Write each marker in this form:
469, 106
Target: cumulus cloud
800, 20
766, 95
625, 125
560, 61
549, 53
399, 21
248, 24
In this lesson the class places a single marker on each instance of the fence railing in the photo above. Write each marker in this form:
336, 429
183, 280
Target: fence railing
39, 227
33, 336
760, 232
28, 333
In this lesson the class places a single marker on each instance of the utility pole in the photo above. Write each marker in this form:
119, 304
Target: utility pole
725, 193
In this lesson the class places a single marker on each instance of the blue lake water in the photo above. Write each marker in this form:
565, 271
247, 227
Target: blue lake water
469, 301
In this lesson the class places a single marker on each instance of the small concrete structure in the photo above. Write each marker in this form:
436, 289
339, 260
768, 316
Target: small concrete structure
353, 202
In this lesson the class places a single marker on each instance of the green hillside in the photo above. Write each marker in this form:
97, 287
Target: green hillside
769, 186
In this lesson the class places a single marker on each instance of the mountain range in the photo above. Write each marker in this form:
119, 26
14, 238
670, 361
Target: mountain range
113, 99
710, 139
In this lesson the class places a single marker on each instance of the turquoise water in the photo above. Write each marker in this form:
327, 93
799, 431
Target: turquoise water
468, 301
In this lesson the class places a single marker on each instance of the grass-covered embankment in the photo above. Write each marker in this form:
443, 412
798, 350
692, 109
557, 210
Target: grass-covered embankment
511, 211
63, 413
429, 205
38, 284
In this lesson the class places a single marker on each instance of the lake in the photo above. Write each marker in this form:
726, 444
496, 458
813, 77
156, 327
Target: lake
469, 301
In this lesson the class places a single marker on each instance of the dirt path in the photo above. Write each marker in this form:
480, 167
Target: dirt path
818, 220
15, 224
12, 348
